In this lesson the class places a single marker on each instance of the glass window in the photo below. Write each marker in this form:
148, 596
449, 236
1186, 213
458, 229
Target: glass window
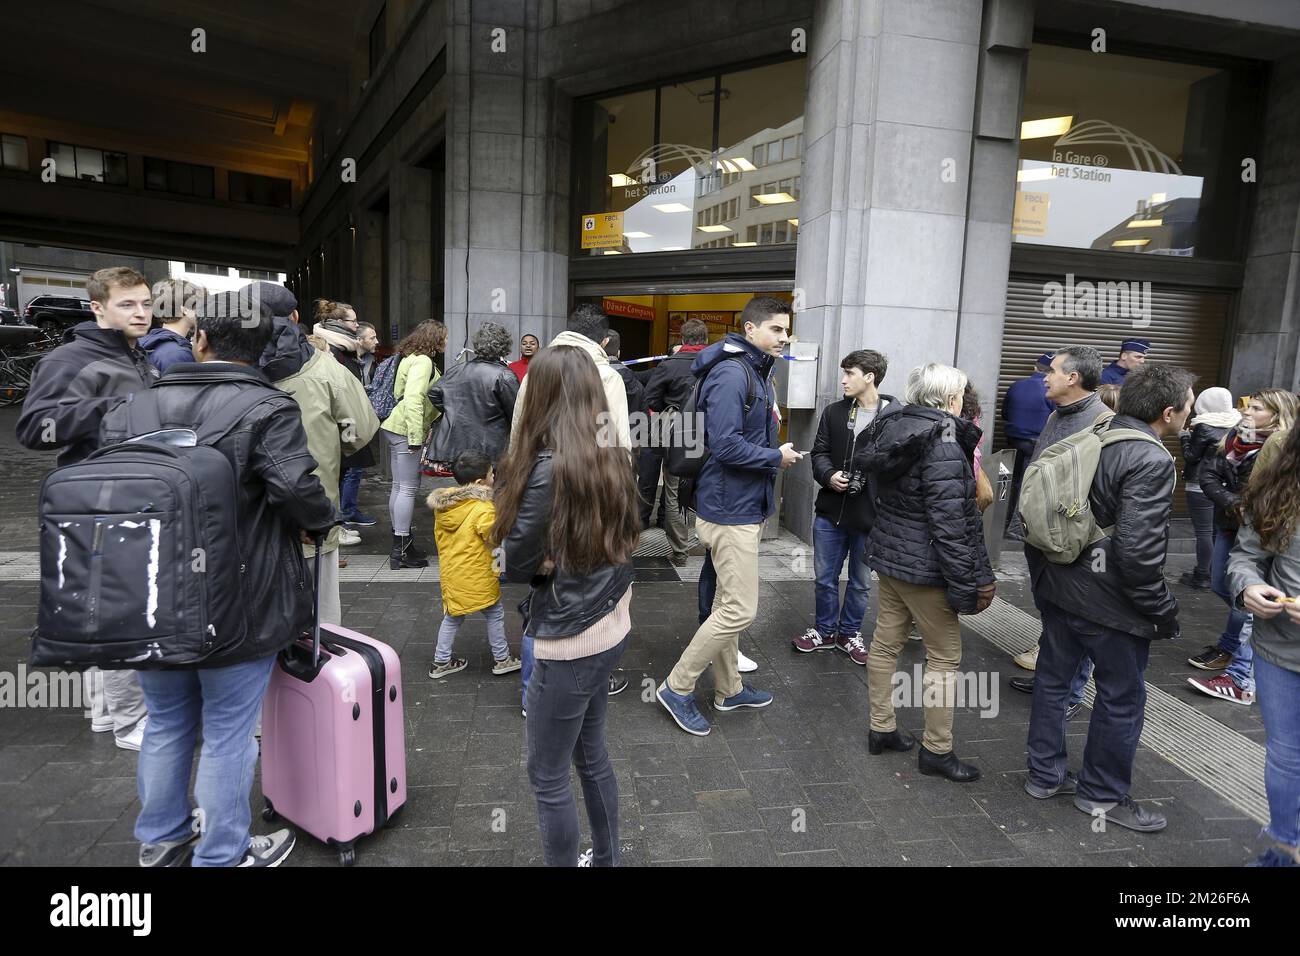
65, 160
259, 190
657, 172
15, 152
1128, 154
779, 228
155, 173
180, 178
90, 163
115, 168
765, 234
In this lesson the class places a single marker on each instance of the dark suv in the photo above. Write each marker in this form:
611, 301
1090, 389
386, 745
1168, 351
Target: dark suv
54, 314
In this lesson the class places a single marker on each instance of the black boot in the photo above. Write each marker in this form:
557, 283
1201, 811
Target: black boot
945, 765
414, 551
894, 740
400, 556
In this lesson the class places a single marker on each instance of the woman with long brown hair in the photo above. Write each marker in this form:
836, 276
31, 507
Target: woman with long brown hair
566, 519
405, 429
1224, 477
1264, 572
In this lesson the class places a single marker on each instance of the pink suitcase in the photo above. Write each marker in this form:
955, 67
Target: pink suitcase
333, 737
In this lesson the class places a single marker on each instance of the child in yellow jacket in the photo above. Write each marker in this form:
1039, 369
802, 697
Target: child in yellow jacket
462, 527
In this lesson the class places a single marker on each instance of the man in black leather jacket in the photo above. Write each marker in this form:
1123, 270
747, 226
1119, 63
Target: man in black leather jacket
278, 496
477, 400
1110, 604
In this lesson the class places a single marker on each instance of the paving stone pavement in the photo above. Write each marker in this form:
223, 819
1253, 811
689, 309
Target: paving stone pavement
790, 785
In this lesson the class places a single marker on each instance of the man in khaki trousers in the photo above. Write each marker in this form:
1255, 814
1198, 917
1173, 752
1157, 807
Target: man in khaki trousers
735, 494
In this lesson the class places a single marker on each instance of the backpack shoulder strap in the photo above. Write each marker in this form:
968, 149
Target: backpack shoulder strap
1114, 436
1101, 423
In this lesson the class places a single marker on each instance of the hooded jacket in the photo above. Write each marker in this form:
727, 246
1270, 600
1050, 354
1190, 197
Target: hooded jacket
336, 413
833, 450
76, 385
462, 528
414, 414
1119, 582
615, 393
927, 529
633, 388
737, 483
166, 348
1223, 482
477, 401
277, 490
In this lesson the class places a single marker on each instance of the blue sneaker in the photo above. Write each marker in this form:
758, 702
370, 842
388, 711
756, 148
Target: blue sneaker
748, 697
684, 711
358, 520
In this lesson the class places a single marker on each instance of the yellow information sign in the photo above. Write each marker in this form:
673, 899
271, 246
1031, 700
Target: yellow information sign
1030, 217
602, 230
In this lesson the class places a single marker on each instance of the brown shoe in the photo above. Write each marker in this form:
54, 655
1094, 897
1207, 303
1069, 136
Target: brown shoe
1211, 659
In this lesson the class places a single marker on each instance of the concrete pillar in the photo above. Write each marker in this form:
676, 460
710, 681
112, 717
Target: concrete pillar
506, 260
890, 202
1266, 347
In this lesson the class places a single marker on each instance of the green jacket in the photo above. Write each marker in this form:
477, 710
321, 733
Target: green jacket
337, 417
414, 414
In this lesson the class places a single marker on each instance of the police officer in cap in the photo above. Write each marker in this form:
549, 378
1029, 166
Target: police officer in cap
1132, 353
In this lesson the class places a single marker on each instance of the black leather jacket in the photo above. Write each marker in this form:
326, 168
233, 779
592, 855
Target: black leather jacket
1199, 446
278, 494
561, 604
1119, 582
1223, 482
477, 399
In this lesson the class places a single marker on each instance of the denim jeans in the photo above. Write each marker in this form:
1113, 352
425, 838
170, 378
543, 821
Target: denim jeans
496, 628
220, 704
567, 702
526, 658
349, 489
1120, 662
1085, 666
707, 588
1230, 639
1201, 509
1242, 668
1279, 689
831, 545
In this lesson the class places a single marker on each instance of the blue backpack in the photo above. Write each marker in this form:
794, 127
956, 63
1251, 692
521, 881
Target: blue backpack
382, 385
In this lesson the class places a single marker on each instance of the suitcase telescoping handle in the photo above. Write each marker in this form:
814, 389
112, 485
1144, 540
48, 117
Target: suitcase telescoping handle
319, 540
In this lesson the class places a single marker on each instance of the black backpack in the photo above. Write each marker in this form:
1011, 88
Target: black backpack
687, 450
140, 560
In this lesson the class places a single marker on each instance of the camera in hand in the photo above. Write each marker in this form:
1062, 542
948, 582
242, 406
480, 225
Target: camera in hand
857, 481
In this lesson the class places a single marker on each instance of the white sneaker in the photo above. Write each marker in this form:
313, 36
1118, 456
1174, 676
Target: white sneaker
100, 725
268, 850
348, 537
584, 858
744, 664
1028, 660
135, 738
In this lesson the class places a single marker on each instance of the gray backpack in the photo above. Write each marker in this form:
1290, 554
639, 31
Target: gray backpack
1054, 506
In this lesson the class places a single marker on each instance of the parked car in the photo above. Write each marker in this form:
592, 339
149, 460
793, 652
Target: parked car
9, 316
53, 314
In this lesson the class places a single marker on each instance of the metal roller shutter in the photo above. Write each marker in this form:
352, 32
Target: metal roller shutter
1188, 327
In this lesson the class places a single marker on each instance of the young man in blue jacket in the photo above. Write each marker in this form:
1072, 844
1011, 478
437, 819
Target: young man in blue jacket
175, 304
735, 494
1025, 408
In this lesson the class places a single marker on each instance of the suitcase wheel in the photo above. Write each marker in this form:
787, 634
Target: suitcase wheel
347, 854
268, 812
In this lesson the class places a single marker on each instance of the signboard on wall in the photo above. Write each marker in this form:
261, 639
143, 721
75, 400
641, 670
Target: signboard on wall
1030, 217
631, 310
602, 230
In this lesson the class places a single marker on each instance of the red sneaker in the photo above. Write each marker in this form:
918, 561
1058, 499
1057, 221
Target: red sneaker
1222, 686
852, 645
812, 640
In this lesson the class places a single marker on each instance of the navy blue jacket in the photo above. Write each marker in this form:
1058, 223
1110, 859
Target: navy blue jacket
1025, 407
1113, 374
737, 483
166, 348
